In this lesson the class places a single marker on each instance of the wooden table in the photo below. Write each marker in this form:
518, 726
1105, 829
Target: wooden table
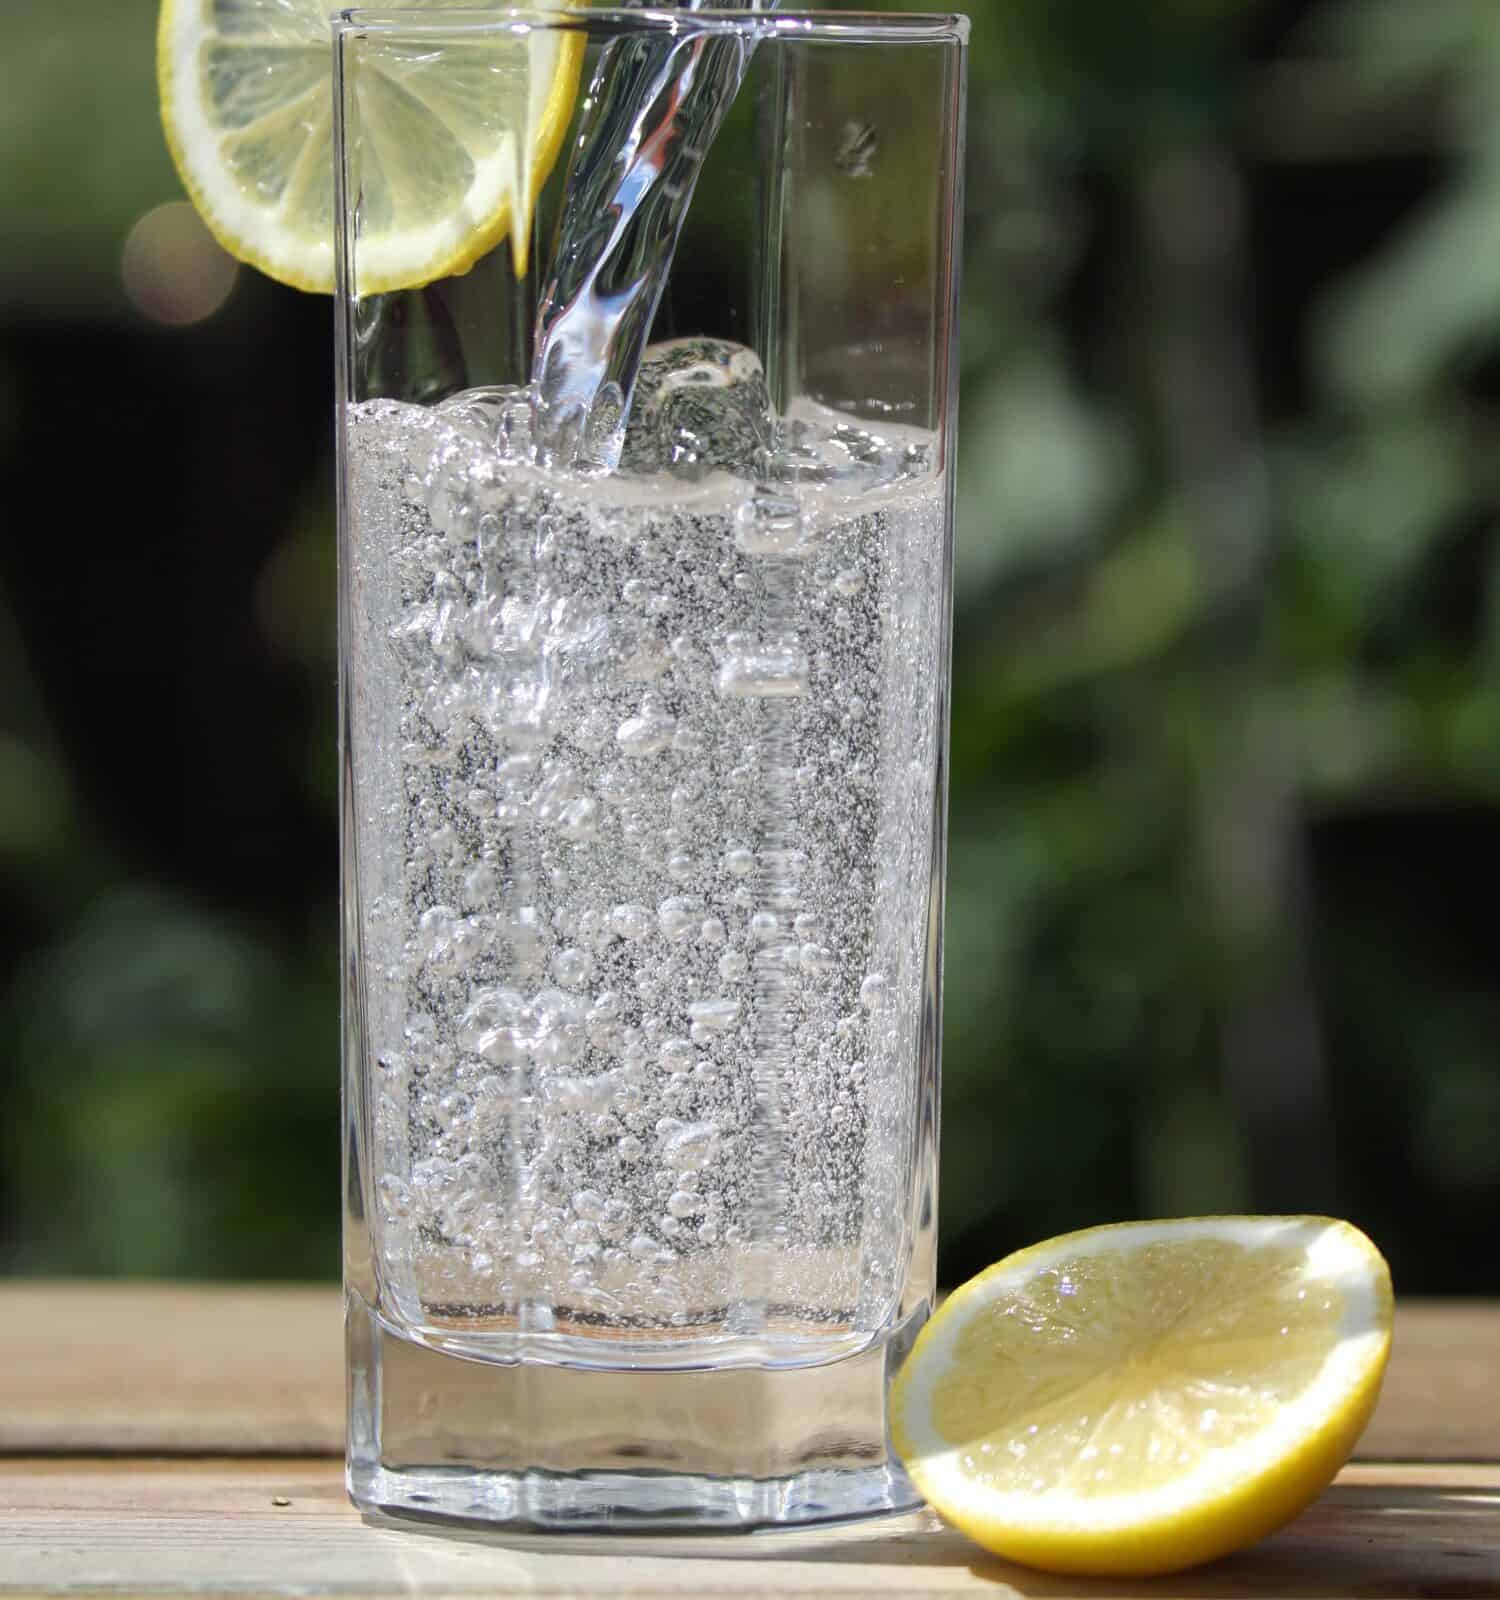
162, 1440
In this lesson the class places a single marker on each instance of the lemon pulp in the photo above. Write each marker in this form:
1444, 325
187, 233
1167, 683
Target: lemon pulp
455, 144
1139, 1398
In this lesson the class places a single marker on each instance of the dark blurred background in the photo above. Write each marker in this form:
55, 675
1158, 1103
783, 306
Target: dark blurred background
1226, 721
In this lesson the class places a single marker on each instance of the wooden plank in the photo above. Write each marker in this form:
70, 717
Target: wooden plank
1441, 1400
158, 1369
214, 1527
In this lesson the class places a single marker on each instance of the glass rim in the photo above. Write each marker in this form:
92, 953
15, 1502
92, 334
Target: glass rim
848, 27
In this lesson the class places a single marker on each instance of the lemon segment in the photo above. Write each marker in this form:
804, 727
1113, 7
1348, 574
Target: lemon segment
455, 144
1141, 1398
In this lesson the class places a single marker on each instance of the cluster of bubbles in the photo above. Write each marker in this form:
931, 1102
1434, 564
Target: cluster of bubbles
644, 779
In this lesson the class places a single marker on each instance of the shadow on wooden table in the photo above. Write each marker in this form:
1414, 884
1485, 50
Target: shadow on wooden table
1362, 1541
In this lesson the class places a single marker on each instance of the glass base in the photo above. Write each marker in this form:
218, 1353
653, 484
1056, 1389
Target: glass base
541, 1447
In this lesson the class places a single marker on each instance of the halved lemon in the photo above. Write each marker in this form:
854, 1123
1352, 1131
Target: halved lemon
455, 144
1141, 1398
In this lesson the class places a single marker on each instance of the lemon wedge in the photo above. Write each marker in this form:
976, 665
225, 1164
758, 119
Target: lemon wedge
455, 146
1140, 1398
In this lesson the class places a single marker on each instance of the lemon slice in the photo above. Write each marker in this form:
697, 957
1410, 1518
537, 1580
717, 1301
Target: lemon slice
455, 146
1140, 1398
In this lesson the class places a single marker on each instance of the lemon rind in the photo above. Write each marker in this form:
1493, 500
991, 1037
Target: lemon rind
1211, 1507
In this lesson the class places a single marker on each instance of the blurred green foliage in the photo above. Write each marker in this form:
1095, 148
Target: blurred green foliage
1226, 724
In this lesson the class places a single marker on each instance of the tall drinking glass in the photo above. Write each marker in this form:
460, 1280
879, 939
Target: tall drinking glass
645, 544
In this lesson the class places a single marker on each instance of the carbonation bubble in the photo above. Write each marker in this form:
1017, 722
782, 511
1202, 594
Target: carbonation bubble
763, 926
733, 965
647, 734
679, 868
630, 921
777, 672
689, 1146
872, 991
488, 1008
679, 916
579, 819
770, 524
647, 661
573, 967
444, 842
816, 958
480, 884
848, 582
677, 1055
713, 931
738, 862
715, 1015
501, 1047
606, 1007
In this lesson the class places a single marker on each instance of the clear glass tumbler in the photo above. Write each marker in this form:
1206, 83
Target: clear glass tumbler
645, 585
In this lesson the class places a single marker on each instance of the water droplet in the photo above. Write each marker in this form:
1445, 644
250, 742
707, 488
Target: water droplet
857, 148
713, 931
848, 582
763, 926
630, 1148
733, 965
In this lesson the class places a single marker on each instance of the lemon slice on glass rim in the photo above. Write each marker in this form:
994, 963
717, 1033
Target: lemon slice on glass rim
455, 150
1137, 1399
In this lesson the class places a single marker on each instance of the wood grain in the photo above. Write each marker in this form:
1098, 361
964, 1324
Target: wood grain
158, 1369
1441, 1400
152, 1527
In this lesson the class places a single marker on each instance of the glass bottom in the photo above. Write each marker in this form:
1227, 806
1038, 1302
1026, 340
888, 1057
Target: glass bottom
547, 1448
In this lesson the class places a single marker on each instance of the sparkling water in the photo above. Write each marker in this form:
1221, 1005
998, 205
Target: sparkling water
646, 769
652, 111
